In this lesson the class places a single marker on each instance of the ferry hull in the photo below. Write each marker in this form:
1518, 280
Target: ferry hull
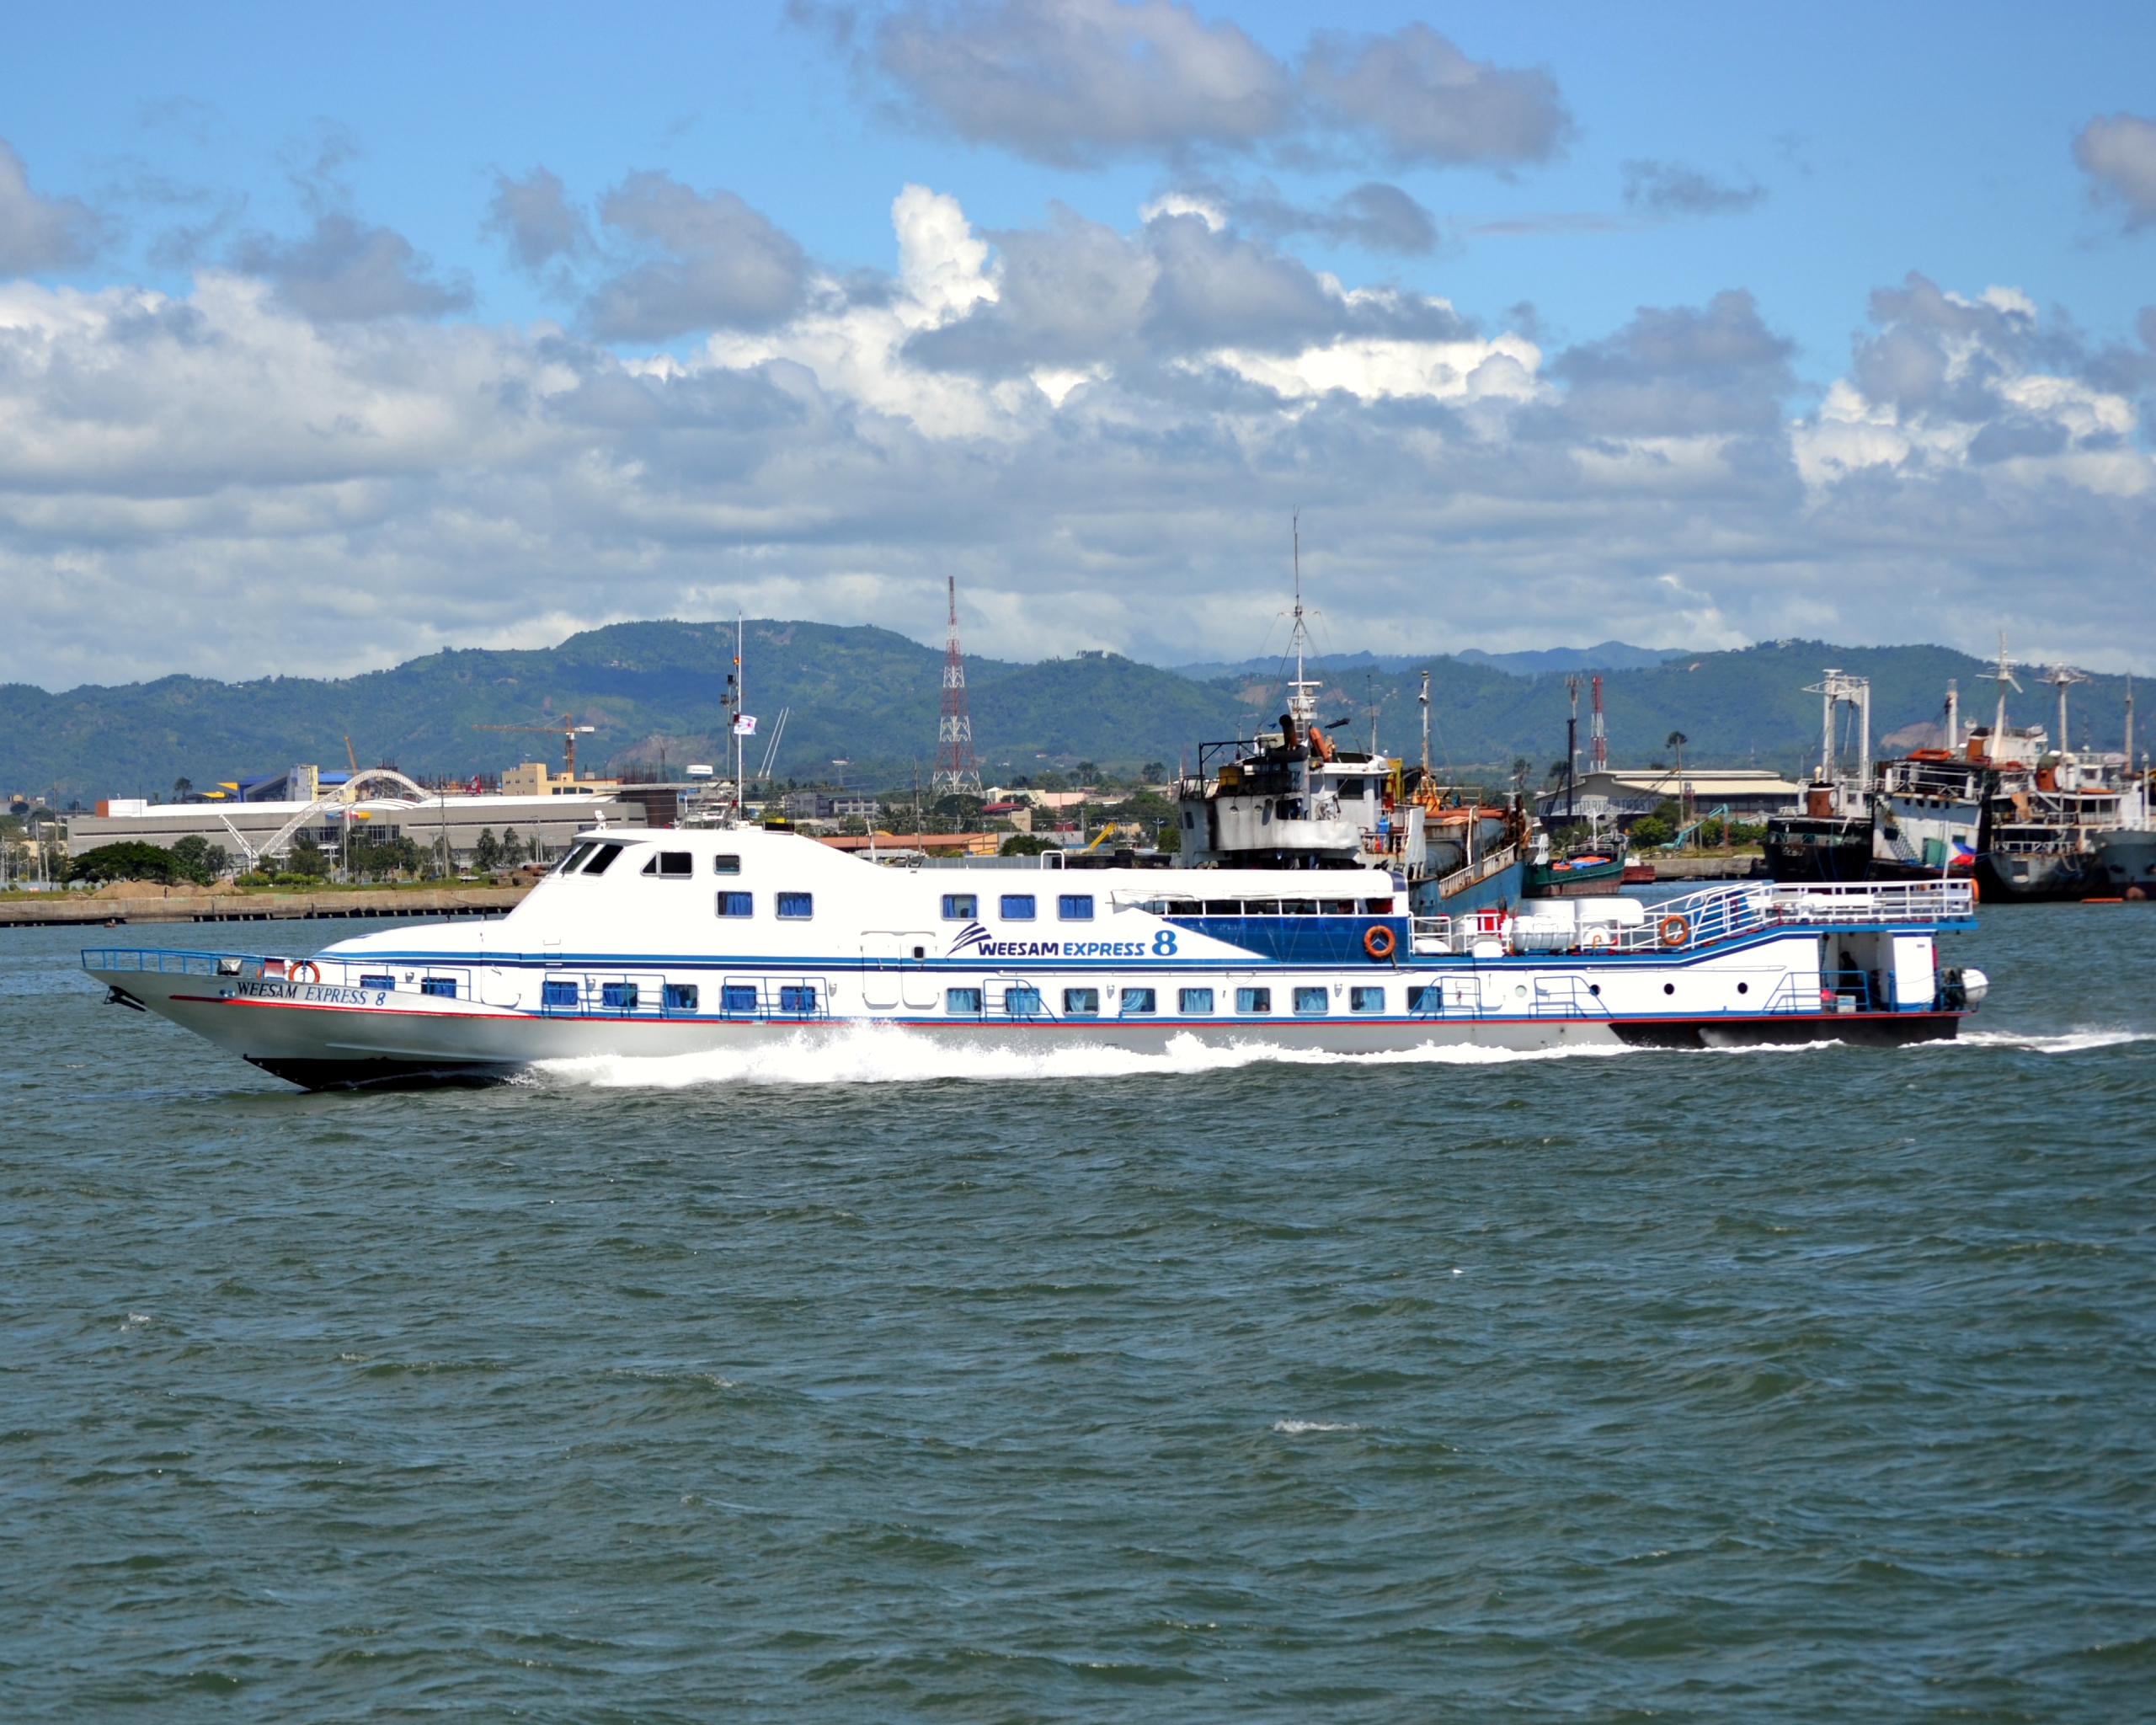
332, 1047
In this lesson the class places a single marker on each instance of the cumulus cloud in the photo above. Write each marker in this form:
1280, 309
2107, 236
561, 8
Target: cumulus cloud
1076, 81
718, 263
2118, 157
1375, 216
1425, 101
1099, 430
40, 233
535, 217
1670, 189
346, 271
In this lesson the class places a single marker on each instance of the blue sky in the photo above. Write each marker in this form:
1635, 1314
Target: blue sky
1686, 474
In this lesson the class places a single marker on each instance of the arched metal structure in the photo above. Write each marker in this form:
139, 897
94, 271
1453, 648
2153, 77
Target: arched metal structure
345, 795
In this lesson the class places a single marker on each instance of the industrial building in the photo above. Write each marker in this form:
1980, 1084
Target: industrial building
253, 829
1748, 794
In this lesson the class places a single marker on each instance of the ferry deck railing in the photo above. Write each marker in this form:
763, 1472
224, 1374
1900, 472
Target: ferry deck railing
1702, 919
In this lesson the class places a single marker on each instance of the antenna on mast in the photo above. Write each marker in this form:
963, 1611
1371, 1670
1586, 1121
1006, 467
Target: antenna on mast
958, 773
1302, 693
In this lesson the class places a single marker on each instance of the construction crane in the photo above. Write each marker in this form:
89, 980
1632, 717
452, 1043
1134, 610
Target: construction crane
568, 731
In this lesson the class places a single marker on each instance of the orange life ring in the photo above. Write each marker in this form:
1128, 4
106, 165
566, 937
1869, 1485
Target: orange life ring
1378, 942
1674, 930
313, 971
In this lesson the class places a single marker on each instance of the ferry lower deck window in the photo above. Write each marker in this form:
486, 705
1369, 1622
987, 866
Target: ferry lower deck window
1022, 1002
441, 987
1194, 1000
377, 982
737, 904
737, 997
618, 996
726, 865
1309, 1002
1139, 1002
960, 907
1081, 1003
1366, 1000
962, 1000
1254, 999
557, 994
681, 997
1017, 907
1429, 999
602, 859
796, 907
797, 996
1075, 907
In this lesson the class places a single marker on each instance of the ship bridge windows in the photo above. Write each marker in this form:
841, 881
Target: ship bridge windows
575, 859
602, 859
671, 865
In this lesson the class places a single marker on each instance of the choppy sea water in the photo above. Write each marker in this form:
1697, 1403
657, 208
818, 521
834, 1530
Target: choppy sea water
1785, 1385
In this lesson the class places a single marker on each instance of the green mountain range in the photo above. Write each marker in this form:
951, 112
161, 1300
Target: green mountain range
860, 707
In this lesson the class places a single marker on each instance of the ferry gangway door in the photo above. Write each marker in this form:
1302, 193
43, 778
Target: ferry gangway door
881, 985
919, 986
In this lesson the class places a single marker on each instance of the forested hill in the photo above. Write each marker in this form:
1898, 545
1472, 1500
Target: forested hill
870, 697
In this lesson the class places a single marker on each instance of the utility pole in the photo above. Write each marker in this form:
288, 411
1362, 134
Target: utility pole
1571, 745
1424, 697
1598, 744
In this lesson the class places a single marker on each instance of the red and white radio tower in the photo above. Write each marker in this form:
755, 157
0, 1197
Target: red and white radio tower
1598, 744
957, 772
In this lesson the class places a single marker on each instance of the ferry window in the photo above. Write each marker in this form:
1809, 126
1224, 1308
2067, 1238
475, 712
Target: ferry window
1189, 819
1261, 907
1377, 907
1254, 999
1339, 907
796, 907
726, 865
377, 982
738, 997
1194, 1000
1298, 907
962, 1000
575, 860
1431, 999
441, 987
737, 904
1075, 907
797, 996
1366, 1000
960, 907
618, 996
1223, 907
557, 994
603, 858
1081, 1003
1017, 907
1309, 1002
676, 864
1022, 1000
681, 997
1139, 1002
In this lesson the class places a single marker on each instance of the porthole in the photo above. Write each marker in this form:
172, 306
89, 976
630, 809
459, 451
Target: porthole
1744, 988
1669, 988
1594, 989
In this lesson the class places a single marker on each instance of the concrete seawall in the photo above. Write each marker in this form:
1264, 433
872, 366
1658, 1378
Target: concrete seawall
182, 905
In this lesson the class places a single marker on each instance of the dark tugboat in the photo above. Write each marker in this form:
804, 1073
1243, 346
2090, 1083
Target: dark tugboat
1830, 841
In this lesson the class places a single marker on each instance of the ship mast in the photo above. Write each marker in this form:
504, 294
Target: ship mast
1302, 693
2003, 676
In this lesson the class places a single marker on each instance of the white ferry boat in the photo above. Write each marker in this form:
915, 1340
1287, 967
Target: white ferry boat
660, 942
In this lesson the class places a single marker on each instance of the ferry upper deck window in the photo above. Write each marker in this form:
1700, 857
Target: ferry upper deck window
737, 904
796, 907
1338, 907
1075, 907
726, 865
960, 907
1298, 907
1377, 907
1017, 907
603, 858
678, 865
1223, 907
1261, 907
